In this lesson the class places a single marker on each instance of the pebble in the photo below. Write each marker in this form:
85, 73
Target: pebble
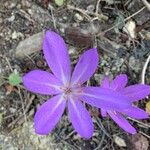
30, 45
78, 17
14, 35
26, 3
11, 19
90, 8
119, 141
135, 64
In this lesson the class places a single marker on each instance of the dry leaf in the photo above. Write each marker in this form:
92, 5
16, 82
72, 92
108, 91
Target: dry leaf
148, 107
9, 89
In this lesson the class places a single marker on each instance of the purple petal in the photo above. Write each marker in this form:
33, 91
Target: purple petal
119, 82
48, 115
136, 92
136, 113
80, 118
85, 67
42, 82
56, 55
105, 98
103, 112
122, 122
105, 83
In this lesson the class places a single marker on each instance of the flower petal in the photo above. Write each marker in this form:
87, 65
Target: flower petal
136, 92
48, 115
105, 83
85, 67
41, 82
136, 113
122, 122
80, 118
105, 98
103, 112
56, 55
119, 82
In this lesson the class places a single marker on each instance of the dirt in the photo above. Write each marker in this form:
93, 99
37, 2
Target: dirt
83, 26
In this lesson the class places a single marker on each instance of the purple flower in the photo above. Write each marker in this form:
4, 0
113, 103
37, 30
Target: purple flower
134, 93
68, 88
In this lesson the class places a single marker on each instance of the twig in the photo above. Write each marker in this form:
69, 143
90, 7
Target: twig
97, 6
25, 110
126, 19
147, 4
144, 69
101, 142
53, 18
145, 125
135, 14
23, 106
8, 63
144, 134
87, 13
99, 123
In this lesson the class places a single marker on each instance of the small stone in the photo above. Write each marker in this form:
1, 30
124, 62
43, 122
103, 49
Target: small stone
119, 141
72, 50
30, 45
129, 28
91, 8
14, 35
30, 12
11, 19
26, 3
78, 17
135, 64
13, 5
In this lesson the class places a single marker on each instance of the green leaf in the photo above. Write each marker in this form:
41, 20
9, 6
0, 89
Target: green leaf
119, 22
14, 79
59, 2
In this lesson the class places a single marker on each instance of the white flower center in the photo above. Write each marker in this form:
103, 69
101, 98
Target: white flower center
70, 90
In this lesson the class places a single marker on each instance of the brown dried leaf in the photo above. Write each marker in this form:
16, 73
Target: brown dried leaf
9, 89
148, 107
78, 38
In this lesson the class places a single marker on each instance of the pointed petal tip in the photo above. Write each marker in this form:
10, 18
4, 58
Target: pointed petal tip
133, 132
80, 119
48, 115
56, 54
137, 113
40, 132
88, 136
136, 92
119, 82
85, 67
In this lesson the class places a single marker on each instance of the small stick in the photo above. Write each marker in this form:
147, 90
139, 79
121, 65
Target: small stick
97, 6
145, 125
147, 4
126, 19
86, 13
144, 69
144, 134
135, 14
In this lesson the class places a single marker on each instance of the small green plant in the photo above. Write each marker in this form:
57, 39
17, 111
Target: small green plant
14, 78
59, 2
